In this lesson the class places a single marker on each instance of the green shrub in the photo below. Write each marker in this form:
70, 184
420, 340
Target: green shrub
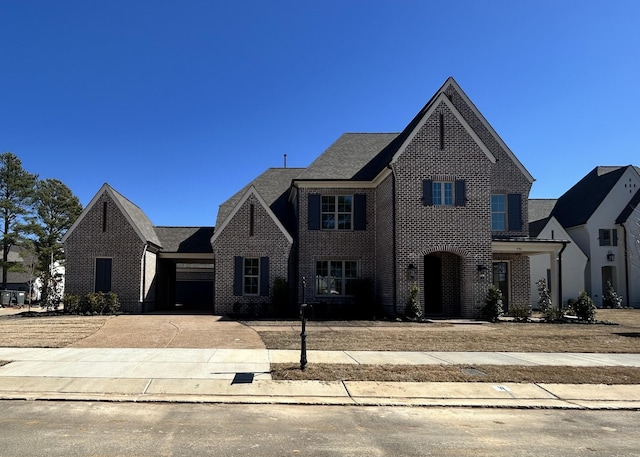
520, 312
583, 308
71, 303
493, 308
92, 303
611, 299
112, 303
413, 310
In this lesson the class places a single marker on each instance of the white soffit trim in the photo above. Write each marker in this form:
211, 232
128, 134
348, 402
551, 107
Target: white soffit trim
527, 247
328, 184
451, 81
251, 191
442, 98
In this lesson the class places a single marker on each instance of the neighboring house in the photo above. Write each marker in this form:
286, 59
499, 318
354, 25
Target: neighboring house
23, 278
601, 214
571, 259
441, 205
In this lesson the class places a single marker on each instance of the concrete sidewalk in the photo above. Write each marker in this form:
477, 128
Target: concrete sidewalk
242, 376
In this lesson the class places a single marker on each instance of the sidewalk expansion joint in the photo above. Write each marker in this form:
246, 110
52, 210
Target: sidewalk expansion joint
146, 388
548, 391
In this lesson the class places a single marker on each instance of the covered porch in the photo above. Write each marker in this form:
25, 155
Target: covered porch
512, 249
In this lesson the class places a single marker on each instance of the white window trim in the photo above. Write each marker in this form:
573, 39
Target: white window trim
245, 275
505, 213
343, 279
336, 213
442, 194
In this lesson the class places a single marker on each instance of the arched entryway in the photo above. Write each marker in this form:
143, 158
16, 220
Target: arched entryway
442, 284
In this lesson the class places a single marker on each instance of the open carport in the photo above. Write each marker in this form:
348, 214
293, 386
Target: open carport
185, 275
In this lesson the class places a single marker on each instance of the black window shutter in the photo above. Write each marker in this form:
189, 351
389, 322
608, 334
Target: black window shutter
614, 237
264, 276
427, 192
461, 198
103, 275
313, 217
238, 265
514, 208
360, 212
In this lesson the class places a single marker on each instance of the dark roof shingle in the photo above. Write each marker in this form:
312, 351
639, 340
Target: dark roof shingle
576, 205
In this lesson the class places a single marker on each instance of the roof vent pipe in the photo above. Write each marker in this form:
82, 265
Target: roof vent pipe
285, 161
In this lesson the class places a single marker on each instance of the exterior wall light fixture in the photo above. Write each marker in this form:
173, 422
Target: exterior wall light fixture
611, 256
411, 271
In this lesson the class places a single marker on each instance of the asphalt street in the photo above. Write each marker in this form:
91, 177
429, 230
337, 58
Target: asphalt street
73, 429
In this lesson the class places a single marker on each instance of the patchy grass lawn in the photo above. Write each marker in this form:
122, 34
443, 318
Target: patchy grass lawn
458, 373
61, 331
503, 336
47, 331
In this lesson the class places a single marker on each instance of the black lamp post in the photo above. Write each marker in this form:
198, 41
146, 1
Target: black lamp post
304, 309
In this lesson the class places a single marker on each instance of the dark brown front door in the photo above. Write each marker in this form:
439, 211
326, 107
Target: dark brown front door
432, 284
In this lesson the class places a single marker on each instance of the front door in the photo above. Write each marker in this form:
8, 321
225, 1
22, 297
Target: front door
501, 281
432, 284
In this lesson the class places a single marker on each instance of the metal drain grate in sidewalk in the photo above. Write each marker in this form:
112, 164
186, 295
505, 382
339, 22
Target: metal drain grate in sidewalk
242, 378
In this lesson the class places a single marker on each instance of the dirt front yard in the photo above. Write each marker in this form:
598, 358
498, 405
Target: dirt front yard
621, 334
623, 337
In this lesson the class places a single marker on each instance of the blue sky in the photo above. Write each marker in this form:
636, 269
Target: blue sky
178, 104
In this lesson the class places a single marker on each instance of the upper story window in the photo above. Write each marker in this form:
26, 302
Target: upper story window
608, 237
498, 212
336, 277
337, 212
442, 193
506, 212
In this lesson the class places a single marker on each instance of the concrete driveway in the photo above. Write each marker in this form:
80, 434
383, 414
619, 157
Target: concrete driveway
172, 331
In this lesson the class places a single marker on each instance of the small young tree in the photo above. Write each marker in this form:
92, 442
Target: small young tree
545, 303
56, 210
493, 308
413, 309
611, 299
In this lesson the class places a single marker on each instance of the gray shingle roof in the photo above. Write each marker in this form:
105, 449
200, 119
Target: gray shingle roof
273, 186
347, 156
138, 217
576, 205
632, 206
185, 239
540, 208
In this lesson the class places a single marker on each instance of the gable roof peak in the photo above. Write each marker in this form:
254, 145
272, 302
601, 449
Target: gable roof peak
137, 218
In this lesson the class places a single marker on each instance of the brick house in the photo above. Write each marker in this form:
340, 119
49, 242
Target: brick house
441, 205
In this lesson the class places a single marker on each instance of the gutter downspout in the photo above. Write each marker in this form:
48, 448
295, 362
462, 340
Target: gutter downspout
394, 289
626, 263
144, 277
564, 246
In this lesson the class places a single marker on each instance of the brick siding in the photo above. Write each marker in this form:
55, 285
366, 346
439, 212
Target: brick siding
119, 241
235, 240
